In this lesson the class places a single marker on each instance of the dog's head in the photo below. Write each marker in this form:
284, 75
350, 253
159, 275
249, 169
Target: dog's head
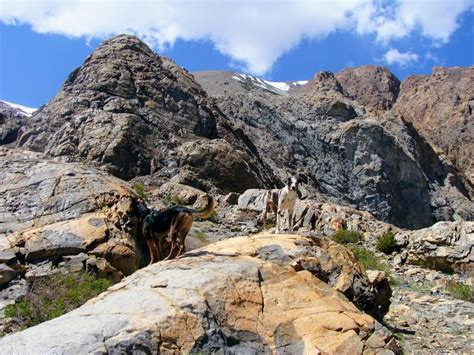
139, 209
293, 184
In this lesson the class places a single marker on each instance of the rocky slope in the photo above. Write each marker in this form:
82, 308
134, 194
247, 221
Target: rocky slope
345, 153
135, 113
440, 107
140, 116
263, 293
52, 210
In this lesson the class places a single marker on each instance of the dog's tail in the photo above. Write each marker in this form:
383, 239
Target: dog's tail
206, 212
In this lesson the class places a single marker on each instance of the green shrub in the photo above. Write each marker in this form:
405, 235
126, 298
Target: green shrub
386, 243
270, 224
438, 264
140, 190
370, 262
461, 291
345, 236
214, 217
49, 297
173, 199
368, 259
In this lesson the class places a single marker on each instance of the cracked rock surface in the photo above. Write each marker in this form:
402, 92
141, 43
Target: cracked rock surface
228, 295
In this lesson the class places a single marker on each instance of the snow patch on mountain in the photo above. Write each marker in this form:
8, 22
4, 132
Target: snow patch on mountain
28, 111
278, 87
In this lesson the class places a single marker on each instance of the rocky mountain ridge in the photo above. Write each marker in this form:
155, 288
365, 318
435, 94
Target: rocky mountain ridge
362, 155
134, 113
140, 116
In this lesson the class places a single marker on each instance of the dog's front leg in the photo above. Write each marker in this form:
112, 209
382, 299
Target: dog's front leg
151, 251
278, 221
290, 219
264, 217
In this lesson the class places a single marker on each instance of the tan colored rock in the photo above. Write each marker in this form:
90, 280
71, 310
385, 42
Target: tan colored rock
227, 296
54, 209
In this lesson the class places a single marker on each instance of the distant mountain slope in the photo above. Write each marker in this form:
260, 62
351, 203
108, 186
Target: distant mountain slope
346, 144
441, 108
15, 109
223, 82
140, 116
12, 118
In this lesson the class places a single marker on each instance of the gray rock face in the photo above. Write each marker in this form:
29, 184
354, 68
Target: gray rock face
128, 110
346, 154
6, 274
440, 107
224, 297
447, 246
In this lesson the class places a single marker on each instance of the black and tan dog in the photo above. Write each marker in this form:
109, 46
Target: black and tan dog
173, 223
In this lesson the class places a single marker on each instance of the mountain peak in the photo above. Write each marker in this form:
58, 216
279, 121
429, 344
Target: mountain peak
373, 86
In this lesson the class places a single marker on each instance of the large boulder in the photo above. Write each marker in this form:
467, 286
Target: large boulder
52, 209
216, 163
242, 295
445, 246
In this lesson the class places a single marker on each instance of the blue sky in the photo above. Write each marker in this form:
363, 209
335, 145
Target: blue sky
42, 42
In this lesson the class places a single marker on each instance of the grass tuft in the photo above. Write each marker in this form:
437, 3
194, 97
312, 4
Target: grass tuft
201, 236
51, 296
386, 243
140, 190
461, 291
173, 199
370, 262
345, 236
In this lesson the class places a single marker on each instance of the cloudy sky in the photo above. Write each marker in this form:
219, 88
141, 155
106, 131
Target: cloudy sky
280, 40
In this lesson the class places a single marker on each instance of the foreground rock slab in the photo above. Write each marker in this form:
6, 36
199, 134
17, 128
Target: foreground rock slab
221, 297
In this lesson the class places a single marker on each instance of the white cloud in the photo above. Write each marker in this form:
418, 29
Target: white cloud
434, 19
254, 33
393, 56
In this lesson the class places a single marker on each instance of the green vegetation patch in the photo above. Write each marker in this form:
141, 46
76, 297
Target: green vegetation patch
173, 199
345, 236
370, 262
386, 243
140, 190
52, 296
270, 224
438, 264
461, 291
368, 259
